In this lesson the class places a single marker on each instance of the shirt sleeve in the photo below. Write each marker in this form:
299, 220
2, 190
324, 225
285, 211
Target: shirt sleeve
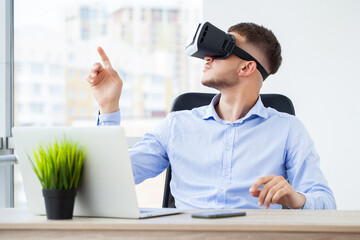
149, 157
109, 118
303, 170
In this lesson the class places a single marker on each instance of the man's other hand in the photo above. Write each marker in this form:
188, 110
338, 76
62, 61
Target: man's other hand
105, 84
276, 190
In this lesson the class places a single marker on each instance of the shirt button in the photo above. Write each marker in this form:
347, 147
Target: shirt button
228, 148
226, 173
221, 189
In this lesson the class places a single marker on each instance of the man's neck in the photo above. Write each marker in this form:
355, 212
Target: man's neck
234, 105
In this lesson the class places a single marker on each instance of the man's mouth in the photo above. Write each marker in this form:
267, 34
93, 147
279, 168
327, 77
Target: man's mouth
206, 67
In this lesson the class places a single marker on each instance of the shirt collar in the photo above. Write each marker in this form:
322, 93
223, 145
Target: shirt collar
257, 110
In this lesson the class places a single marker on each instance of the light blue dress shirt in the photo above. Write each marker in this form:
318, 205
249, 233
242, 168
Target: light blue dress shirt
215, 162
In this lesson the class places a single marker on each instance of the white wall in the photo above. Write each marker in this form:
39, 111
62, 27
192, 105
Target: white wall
320, 72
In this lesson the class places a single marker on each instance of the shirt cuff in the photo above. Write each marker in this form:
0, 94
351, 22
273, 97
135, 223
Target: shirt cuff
109, 118
308, 201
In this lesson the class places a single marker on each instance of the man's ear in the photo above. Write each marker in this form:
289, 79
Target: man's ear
247, 69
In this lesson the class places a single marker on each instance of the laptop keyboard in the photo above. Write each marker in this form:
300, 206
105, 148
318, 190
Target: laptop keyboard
145, 211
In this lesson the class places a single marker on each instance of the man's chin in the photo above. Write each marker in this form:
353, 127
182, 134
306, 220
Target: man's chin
218, 84
205, 82
209, 83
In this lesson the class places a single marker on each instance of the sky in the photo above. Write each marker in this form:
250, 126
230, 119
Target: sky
30, 13
49, 13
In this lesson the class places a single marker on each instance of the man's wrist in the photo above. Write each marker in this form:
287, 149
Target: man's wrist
302, 200
109, 109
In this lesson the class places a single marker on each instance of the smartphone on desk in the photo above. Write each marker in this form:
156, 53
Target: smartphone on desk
218, 214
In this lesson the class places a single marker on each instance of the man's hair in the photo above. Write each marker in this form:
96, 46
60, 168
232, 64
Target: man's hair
264, 39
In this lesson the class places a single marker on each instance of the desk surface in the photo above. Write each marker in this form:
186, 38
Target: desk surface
280, 224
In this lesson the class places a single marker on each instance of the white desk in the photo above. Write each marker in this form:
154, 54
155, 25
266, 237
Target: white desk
258, 224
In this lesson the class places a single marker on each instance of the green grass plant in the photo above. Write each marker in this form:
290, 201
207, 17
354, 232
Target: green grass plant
58, 165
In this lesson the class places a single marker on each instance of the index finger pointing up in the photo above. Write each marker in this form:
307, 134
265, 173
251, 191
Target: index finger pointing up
103, 56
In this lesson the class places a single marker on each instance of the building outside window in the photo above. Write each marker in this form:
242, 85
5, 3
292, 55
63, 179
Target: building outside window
55, 47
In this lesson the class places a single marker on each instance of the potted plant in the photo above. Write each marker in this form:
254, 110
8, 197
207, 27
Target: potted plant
58, 166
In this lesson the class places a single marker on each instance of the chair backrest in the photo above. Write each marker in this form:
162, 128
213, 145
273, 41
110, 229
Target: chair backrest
188, 101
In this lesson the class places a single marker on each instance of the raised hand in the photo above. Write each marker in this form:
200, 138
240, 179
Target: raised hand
105, 83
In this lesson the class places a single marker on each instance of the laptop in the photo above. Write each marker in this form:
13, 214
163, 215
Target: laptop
107, 186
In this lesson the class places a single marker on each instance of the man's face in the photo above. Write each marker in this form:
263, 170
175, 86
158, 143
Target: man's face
223, 73
220, 73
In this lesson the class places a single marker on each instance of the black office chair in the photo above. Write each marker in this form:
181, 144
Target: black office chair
188, 101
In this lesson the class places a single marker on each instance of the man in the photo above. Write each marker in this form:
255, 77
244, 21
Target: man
233, 153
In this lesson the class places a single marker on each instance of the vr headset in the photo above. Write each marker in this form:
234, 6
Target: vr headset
208, 40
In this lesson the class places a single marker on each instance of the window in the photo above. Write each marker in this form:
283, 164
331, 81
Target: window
143, 14
6, 101
83, 94
71, 94
58, 108
55, 70
173, 15
36, 89
55, 90
37, 68
71, 112
36, 108
156, 15
55, 47
83, 112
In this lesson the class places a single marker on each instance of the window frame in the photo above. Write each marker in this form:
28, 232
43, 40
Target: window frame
6, 100
7, 183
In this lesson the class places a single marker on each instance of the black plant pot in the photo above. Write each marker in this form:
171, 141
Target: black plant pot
59, 203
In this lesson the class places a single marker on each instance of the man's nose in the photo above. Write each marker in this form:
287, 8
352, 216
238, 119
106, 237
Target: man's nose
208, 59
